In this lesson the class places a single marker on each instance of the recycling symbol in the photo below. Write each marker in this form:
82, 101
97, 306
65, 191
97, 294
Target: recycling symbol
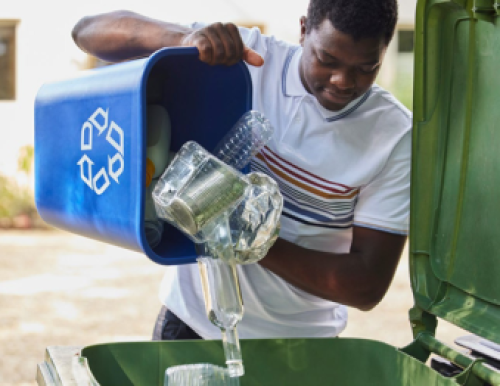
100, 181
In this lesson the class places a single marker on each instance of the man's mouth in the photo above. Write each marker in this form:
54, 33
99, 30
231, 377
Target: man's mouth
337, 97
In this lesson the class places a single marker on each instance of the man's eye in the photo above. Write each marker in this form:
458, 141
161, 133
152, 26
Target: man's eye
368, 69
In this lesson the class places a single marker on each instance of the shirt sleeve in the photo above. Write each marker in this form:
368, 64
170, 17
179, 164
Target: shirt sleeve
384, 203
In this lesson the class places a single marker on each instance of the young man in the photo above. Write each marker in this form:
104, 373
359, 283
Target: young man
340, 154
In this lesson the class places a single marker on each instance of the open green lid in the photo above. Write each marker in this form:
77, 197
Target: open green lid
455, 208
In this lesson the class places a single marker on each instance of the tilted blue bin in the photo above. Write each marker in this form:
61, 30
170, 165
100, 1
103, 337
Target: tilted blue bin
90, 142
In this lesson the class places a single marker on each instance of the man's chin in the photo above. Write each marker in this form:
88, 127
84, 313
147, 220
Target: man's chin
332, 106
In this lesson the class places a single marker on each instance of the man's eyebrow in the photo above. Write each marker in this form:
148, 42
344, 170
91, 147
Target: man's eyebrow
328, 55
370, 63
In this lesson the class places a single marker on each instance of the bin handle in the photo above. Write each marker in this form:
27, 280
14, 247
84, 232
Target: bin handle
479, 369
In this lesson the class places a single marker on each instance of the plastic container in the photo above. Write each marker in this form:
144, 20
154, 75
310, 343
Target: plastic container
91, 145
268, 362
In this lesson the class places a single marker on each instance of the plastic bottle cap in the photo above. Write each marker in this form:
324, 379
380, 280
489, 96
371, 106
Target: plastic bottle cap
150, 171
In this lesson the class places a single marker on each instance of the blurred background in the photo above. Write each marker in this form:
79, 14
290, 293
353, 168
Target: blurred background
61, 289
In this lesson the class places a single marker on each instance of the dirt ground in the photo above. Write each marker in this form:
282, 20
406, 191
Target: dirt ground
58, 288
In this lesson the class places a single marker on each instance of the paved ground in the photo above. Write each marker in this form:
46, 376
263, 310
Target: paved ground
61, 289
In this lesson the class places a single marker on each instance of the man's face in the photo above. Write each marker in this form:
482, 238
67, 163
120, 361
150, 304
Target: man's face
335, 68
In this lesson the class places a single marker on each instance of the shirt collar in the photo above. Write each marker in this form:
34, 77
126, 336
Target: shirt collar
292, 86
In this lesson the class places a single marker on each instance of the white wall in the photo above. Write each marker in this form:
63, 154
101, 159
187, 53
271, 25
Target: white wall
45, 50
407, 12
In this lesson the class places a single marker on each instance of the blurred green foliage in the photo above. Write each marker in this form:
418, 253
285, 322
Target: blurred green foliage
403, 85
25, 160
17, 199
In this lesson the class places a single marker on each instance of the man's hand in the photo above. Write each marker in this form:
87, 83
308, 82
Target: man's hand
221, 43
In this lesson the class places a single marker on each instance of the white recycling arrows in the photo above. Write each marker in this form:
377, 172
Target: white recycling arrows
103, 185
86, 177
116, 163
86, 136
109, 137
98, 125
111, 162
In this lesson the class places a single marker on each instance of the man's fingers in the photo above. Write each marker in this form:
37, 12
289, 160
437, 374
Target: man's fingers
232, 49
215, 33
237, 43
252, 57
199, 40
206, 49
222, 44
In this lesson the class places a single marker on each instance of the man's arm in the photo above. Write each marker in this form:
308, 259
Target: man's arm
123, 35
358, 279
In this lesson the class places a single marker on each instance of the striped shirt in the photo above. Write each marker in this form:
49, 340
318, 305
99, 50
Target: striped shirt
335, 170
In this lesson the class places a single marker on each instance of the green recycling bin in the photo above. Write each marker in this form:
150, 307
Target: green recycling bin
454, 242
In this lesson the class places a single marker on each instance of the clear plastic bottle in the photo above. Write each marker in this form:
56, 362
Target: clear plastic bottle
224, 306
245, 139
200, 374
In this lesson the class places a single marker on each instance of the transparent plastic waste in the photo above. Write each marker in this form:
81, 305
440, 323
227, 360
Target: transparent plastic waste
196, 191
245, 139
233, 218
255, 222
224, 306
202, 374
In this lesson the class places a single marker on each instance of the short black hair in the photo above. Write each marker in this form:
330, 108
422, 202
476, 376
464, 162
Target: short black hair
356, 18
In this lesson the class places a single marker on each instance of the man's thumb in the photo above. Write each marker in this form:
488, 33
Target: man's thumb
252, 57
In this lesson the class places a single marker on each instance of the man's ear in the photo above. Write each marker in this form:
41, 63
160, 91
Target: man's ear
302, 29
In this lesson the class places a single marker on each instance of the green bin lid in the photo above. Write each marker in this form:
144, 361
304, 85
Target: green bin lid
455, 193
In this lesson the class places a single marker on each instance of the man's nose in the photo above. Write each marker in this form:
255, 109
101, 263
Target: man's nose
343, 79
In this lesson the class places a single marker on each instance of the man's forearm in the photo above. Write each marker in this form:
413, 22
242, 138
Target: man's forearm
335, 277
123, 35
358, 279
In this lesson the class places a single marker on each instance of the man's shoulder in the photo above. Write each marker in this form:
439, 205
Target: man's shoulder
386, 110
386, 101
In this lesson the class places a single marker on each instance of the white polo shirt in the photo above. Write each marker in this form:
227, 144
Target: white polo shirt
334, 169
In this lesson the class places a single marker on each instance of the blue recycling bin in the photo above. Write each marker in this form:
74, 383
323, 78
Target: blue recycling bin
90, 142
